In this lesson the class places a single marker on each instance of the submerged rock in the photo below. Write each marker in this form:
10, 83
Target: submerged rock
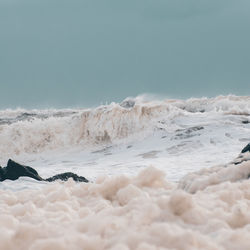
128, 103
187, 132
14, 170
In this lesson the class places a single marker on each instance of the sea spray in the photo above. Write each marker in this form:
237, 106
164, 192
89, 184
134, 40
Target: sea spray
34, 131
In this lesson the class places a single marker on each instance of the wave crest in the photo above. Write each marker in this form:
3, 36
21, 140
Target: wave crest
33, 131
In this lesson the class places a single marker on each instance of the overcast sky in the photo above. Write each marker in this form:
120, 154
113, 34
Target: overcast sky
84, 52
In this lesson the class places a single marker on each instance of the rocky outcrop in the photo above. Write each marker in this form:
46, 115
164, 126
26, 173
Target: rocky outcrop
66, 176
14, 170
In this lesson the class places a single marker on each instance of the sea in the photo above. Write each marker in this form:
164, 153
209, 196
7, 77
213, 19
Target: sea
160, 171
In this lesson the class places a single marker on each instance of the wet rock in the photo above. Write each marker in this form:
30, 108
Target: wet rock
246, 148
66, 176
245, 122
14, 170
242, 157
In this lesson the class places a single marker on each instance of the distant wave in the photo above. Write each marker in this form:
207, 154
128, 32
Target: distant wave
33, 131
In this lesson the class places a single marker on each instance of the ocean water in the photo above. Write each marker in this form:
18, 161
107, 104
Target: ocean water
159, 171
161, 167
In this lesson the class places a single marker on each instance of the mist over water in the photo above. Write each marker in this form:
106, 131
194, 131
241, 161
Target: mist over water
83, 53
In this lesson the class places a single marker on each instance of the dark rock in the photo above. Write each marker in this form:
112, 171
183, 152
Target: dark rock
66, 176
15, 170
240, 161
246, 148
2, 174
245, 122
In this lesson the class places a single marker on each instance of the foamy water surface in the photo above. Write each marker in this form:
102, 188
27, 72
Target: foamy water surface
149, 163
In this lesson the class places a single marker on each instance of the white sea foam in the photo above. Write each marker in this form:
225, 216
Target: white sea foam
33, 131
142, 212
127, 204
214, 175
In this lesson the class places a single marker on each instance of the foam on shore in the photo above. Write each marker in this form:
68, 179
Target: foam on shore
155, 143
142, 212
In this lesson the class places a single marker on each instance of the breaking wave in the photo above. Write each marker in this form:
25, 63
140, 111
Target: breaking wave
206, 209
33, 131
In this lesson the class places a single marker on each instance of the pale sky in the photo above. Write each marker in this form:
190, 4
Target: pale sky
67, 53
